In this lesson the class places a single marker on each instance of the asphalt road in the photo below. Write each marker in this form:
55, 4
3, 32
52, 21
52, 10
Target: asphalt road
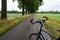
23, 30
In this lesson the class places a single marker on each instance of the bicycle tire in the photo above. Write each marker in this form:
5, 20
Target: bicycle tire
35, 34
39, 38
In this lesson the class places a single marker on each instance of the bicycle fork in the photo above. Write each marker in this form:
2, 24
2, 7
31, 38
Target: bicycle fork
40, 36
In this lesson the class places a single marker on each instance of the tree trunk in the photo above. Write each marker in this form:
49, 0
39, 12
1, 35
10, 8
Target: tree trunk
4, 10
23, 10
22, 7
26, 11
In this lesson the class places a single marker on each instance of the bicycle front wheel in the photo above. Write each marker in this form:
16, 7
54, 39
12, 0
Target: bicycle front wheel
34, 36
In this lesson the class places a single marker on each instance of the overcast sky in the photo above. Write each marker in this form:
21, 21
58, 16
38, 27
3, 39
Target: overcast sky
49, 5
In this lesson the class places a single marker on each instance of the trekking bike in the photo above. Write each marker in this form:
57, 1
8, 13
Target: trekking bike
39, 35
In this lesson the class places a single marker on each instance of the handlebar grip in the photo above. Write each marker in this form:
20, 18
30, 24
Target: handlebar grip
34, 22
31, 21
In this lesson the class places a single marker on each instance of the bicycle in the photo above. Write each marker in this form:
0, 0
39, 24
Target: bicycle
39, 34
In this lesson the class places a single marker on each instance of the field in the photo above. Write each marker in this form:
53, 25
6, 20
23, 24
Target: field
13, 19
53, 24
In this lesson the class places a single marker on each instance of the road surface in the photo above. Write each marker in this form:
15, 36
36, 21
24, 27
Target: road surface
23, 30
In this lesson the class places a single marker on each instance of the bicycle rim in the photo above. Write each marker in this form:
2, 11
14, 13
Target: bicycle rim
33, 36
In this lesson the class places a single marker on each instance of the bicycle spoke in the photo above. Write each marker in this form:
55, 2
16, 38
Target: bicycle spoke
42, 37
38, 38
33, 36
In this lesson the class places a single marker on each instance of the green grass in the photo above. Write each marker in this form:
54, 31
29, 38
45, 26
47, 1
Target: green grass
12, 16
52, 24
13, 19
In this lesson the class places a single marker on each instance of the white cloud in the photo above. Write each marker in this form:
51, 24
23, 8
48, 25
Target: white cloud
49, 5
11, 5
0, 4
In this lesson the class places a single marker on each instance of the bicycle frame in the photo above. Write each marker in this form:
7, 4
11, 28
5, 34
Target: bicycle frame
38, 34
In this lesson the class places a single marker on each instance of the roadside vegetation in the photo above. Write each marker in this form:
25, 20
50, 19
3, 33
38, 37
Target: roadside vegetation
7, 21
13, 19
53, 24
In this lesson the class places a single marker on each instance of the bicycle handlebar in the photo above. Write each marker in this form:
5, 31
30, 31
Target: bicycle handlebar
41, 21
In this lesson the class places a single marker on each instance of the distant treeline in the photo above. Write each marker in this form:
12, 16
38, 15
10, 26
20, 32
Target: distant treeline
12, 12
50, 12
42, 12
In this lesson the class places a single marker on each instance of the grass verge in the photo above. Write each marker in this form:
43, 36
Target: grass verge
53, 24
10, 23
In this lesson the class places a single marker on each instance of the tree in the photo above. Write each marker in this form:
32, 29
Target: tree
21, 4
4, 10
29, 5
32, 5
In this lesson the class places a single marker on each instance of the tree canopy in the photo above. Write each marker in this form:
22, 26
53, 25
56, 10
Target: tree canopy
30, 5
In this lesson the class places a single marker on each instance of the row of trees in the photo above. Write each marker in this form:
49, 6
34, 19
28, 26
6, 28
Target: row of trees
30, 6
